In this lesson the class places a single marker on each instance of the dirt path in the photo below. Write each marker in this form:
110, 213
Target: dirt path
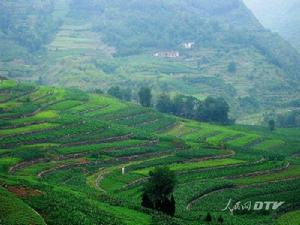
25, 164
64, 166
99, 178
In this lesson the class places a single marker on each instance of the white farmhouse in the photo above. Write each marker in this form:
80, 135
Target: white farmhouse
188, 45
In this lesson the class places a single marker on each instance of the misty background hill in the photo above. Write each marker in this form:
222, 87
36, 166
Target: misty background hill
279, 16
220, 49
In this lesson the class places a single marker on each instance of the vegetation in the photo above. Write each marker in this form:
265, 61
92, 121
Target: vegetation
14, 211
63, 152
289, 218
37, 30
145, 96
290, 118
158, 191
272, 125
92, 46
123, 94
210, 110
142, 132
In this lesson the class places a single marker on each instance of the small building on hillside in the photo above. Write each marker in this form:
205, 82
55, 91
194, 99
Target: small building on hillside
188, 45
167, 54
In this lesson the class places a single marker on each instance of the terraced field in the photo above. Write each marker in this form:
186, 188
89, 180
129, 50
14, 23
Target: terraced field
62, 152
290, 218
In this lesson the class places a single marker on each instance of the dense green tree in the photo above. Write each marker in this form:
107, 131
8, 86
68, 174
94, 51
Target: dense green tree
272, 125
172, 206
145, 96
185, 106
189, 107
115, 91
289, 119
158, 191
146, 202
123, 94
208, 218
178, 102
98, 91
30, 23
213, 110
164, 104
220, 220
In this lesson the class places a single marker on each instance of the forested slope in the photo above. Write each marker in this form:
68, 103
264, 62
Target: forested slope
96, 44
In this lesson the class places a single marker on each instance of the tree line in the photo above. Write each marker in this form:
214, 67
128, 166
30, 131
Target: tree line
287, 119
212, 109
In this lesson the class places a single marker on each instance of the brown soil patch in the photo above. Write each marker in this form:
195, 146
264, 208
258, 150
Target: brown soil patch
83, 160
24, 192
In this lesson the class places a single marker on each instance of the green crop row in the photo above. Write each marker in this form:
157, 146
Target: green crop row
196, 165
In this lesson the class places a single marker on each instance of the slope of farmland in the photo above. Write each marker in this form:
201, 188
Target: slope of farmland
62, 151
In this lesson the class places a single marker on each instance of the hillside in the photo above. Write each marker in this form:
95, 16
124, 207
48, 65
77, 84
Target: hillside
97, 43
279, 16
62, 151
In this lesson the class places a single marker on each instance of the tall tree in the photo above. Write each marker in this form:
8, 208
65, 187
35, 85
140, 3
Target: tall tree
179, 105
220, 220
208, 218
145, 96
190, 105
158, 191
272, 125
213, 110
